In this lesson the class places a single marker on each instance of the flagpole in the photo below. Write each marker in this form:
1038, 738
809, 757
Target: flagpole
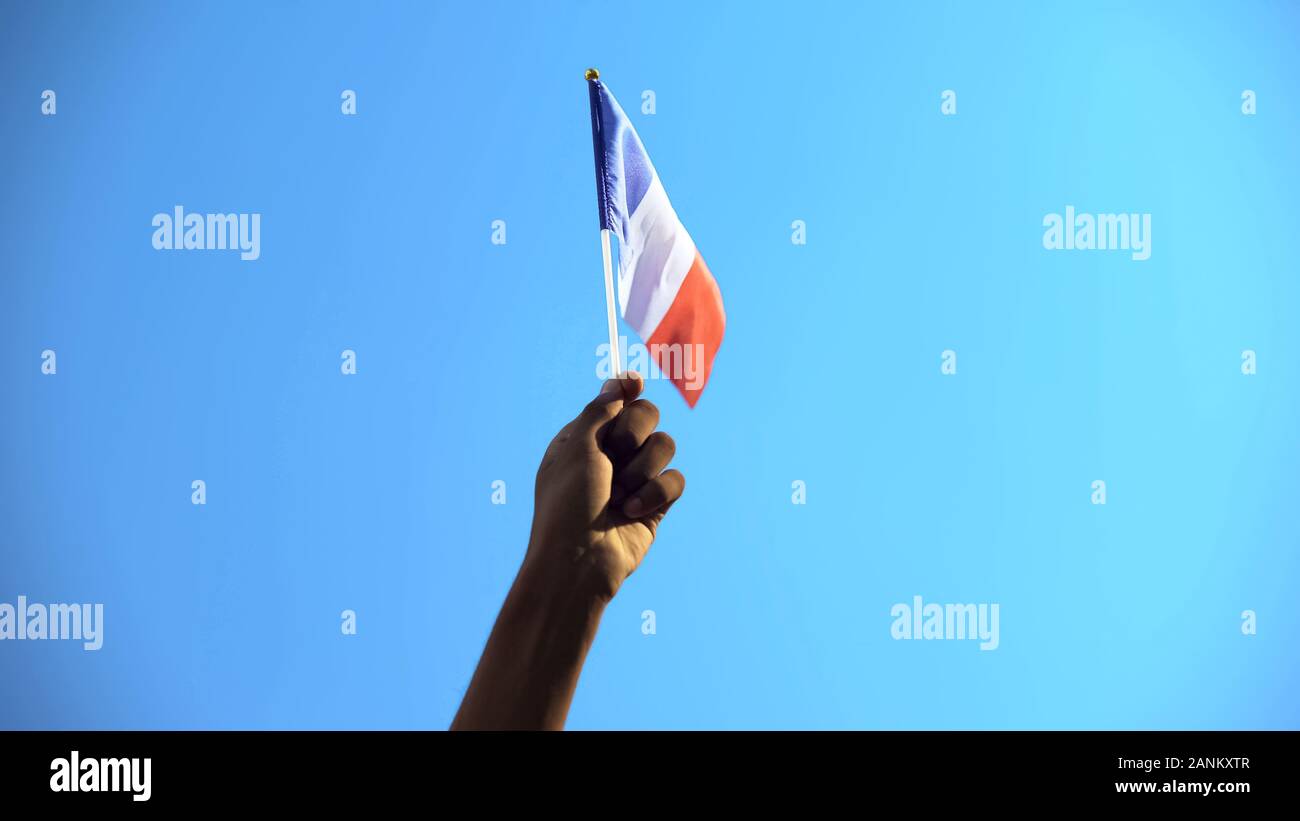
616, 367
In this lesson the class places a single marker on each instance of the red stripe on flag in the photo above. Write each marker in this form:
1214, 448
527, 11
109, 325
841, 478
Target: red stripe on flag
689, 335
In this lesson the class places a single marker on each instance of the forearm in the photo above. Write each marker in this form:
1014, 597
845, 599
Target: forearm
529, 669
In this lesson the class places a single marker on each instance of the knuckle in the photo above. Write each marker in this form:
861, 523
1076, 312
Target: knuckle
601, 408
641, 415
647, 407
622, 439
653, 494
662, 443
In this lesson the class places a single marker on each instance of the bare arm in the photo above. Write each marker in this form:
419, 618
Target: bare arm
601, 492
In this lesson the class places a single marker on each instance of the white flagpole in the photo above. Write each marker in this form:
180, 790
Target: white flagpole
615, 367
592, 77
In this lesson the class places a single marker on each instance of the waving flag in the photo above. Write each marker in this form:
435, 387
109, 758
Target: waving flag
664, 288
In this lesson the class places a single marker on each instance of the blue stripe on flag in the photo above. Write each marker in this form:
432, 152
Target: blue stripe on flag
623, 168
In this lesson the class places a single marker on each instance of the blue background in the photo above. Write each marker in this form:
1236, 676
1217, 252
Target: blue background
372, 492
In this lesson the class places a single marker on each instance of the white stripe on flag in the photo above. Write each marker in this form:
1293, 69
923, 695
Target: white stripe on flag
653, 261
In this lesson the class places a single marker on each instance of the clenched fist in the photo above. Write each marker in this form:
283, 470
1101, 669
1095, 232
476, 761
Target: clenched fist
602, 490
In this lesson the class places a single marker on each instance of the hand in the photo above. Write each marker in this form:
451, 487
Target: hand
602, 490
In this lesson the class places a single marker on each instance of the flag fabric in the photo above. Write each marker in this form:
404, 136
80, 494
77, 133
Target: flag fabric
665, 290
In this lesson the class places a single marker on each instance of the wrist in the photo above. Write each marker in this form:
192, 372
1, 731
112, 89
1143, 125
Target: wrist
567, 576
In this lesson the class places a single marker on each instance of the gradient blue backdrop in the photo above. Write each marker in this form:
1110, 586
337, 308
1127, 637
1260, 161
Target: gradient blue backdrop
372, 492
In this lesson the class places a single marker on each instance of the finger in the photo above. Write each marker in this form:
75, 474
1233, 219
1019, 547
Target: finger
647, 463
606, 406
655, 495
630, 430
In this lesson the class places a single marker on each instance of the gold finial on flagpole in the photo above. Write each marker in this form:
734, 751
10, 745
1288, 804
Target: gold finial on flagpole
592, 74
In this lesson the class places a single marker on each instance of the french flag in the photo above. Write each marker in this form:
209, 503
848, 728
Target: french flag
665, 290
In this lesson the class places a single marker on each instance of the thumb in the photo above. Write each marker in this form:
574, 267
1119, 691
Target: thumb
614, 394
